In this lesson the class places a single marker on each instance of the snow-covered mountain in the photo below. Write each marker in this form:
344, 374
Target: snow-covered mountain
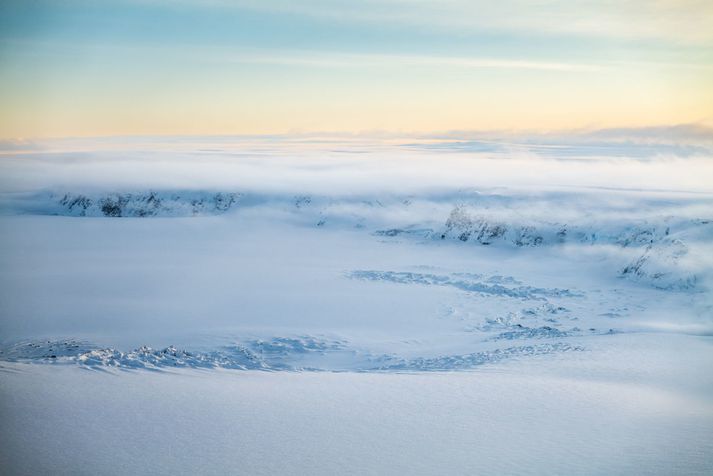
145, 204
655, 249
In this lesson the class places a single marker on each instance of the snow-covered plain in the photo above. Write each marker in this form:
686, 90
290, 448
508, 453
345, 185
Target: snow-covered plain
363, 306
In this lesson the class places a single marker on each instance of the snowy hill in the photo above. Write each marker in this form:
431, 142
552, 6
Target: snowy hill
654, 249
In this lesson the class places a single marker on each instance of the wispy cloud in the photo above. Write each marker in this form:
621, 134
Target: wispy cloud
350, 60
675, 134
309, 58
685, 21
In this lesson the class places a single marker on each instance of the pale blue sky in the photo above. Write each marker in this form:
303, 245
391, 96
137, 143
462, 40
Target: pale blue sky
196, 67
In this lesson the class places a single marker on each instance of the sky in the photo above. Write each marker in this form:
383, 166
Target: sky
77, 68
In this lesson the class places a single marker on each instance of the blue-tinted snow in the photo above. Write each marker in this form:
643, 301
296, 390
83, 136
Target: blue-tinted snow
532, 305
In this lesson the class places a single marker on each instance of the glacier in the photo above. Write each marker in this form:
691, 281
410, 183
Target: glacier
416, 305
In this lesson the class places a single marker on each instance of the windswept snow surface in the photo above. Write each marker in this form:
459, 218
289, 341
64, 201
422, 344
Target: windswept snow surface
356, 306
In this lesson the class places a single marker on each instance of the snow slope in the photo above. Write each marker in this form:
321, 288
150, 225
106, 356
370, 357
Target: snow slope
622, 408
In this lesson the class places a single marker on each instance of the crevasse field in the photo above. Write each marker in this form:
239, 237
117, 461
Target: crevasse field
351, 305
